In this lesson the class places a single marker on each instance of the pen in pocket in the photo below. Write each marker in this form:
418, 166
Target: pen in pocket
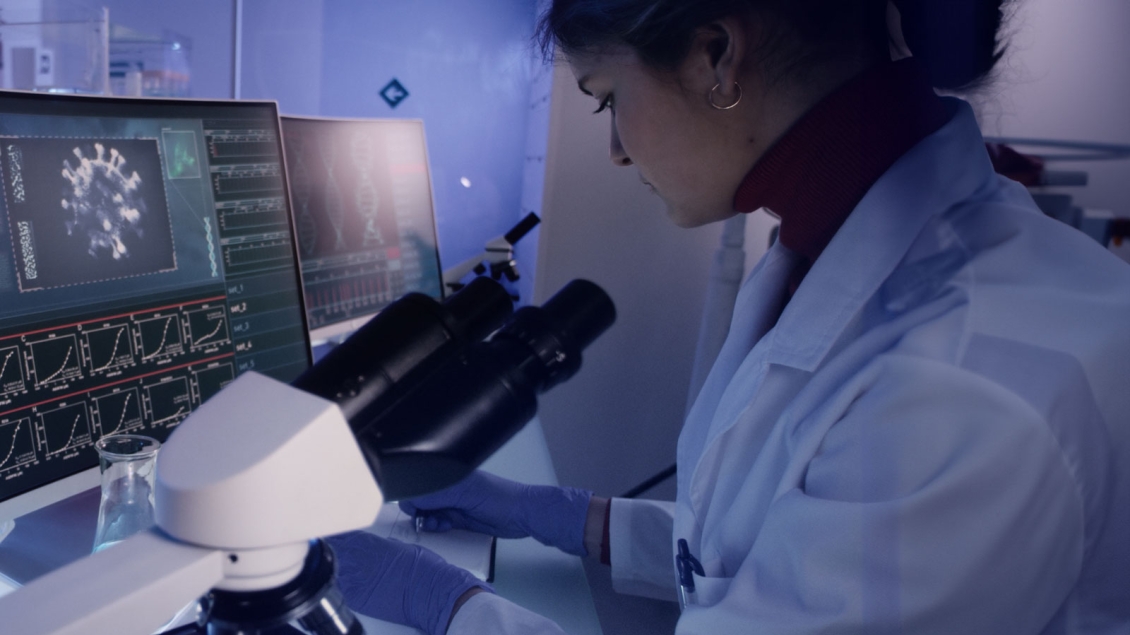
687, 566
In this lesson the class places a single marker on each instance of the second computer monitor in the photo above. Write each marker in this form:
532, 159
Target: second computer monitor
362, 200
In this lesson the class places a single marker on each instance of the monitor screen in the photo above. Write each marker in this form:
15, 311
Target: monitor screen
146, 259
362, 200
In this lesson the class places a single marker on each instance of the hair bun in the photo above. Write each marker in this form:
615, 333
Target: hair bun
955, 39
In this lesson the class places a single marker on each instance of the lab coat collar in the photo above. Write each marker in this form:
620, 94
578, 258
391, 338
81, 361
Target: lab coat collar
946, 167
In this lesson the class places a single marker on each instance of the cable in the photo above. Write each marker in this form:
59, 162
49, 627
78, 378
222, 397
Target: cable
651, 482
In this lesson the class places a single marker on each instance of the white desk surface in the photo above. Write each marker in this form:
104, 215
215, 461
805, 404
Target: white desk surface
539, 578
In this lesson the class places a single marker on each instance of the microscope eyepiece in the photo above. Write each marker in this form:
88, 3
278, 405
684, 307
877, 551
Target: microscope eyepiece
445, 425
409, 337
428, 400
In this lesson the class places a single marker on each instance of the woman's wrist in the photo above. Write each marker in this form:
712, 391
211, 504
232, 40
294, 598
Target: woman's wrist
467, 595
595, 522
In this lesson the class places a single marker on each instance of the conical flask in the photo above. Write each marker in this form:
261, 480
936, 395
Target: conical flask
128, 463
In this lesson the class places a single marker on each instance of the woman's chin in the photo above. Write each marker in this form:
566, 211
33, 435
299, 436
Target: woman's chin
691, 218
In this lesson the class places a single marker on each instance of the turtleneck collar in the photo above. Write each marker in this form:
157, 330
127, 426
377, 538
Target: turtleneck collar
816, 174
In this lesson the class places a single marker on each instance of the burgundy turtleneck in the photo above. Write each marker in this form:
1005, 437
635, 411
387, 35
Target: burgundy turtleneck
815, 175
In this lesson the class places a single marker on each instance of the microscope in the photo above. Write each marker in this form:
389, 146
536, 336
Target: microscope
249, 483
497, 257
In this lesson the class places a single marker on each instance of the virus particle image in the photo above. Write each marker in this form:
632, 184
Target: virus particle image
104, 202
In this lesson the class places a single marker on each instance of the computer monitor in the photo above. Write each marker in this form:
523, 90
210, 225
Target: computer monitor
362, 200
146, 259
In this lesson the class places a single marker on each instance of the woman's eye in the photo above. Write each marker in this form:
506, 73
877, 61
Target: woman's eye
606, 103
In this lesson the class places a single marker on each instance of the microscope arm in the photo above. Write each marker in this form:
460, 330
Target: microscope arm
132, 588
498, 251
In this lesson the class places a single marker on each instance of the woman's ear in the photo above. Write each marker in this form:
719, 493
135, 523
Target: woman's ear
717, 57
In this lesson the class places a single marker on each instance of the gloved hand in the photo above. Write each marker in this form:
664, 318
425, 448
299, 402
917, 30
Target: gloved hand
490, 504
397, 582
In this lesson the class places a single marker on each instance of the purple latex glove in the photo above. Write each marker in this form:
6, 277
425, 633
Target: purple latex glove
490, 504
397, 582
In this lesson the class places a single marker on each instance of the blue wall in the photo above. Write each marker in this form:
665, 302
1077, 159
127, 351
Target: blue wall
467, 67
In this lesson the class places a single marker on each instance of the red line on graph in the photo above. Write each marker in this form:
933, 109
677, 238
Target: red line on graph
111, 317
120, 381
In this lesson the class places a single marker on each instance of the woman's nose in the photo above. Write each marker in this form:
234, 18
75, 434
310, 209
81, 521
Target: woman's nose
616, 151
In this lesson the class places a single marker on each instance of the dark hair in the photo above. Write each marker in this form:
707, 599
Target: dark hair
957, 40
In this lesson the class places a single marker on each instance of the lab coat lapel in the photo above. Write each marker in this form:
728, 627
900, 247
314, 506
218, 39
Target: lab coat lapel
875, 238
757, 309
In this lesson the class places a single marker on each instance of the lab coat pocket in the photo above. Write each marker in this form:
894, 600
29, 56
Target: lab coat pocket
710, 590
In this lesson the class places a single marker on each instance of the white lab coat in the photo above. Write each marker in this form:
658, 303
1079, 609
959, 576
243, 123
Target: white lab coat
934, 436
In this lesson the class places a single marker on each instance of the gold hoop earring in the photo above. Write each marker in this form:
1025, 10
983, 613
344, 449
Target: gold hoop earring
737, 101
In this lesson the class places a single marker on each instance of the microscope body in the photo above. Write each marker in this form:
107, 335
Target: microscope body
283, 469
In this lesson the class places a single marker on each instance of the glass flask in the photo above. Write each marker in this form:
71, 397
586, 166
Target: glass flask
128, 463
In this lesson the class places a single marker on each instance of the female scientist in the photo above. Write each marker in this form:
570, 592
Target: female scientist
920, 420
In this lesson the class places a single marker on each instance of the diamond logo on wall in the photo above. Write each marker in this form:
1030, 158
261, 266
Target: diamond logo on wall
393, 93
